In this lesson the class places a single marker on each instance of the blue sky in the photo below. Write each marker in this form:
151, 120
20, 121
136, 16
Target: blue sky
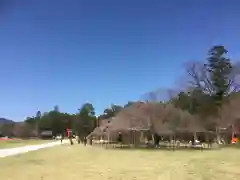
59, 52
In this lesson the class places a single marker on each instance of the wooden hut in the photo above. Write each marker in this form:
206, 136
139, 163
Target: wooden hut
46, 134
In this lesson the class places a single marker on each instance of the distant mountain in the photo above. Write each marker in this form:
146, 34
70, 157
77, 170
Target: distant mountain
5, 121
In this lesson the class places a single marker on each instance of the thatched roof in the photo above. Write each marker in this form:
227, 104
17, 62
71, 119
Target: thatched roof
101, 130
96, 132
128, 123
156, 117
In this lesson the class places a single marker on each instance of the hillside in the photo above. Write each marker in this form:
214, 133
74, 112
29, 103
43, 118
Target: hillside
5, 121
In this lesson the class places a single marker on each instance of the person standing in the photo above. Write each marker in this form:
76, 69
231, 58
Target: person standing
70, 136
78, 139
90, 140
85, 141
120, 139
61, 138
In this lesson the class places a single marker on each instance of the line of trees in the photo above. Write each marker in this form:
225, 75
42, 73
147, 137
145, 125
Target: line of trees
83, 122
211, 84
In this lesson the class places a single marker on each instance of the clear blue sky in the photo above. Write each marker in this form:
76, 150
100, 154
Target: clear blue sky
59, 52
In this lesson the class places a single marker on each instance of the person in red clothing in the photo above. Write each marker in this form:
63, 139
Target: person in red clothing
69, 135
234, 138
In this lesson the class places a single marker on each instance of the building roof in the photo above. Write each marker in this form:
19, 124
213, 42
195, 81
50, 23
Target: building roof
156, 117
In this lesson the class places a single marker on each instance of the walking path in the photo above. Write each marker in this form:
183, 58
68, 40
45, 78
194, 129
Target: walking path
24, 149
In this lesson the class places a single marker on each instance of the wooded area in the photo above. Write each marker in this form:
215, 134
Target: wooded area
211, 98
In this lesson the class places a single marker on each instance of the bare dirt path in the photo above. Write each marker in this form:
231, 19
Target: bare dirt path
25, 149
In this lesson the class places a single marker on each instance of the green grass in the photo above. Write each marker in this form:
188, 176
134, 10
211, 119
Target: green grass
94, 163
18, 143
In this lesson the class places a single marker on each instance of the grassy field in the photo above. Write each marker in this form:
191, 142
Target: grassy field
93, 163
18, 143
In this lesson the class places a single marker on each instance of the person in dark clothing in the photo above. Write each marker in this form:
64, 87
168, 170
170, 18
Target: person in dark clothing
193, 141
90, 140
85, 141
78, 139
62, 138
70, 138
156, 140
71, 141
119, 139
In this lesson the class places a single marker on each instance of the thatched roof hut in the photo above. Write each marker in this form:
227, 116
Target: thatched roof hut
155, 117
145, 119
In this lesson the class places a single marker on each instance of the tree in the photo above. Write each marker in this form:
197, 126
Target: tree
45, 122
183, 101
38, 114
7, 129
85, 120
229, 113
112, 111
38, 118
160, 95
31, 121
56, 108
217, 77
128, 104
22, 130
56, 121
219, 68
210, 84
87, 110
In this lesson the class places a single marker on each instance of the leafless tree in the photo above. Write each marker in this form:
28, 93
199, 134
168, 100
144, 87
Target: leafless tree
199, 77
22, 130
229, 114
160, 95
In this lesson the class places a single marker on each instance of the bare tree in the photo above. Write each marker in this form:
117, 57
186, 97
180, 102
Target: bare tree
160, 95
229, 114
199, 77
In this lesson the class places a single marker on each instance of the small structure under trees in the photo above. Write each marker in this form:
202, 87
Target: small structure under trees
46, 134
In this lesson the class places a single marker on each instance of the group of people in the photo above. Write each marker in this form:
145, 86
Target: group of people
71, 137
78, 139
